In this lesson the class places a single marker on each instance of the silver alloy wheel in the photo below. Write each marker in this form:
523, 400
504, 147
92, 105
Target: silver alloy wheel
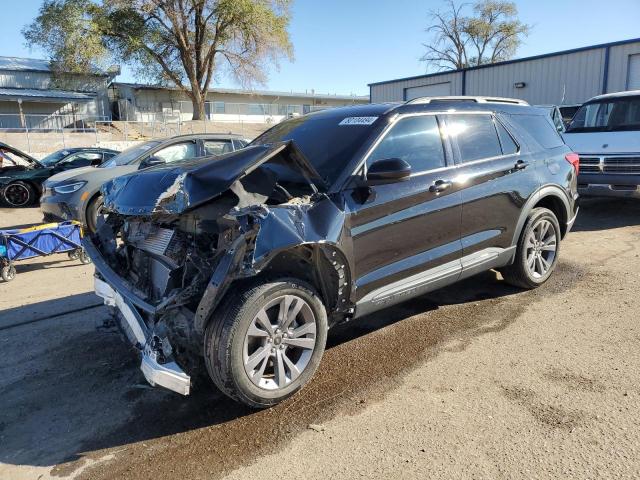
17, 195
541, 247
279, 342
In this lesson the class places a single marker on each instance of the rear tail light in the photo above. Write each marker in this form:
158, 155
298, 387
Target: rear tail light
574, 160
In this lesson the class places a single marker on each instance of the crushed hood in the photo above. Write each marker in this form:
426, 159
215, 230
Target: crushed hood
173, 189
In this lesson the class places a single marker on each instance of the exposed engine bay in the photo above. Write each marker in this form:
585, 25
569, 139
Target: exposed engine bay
175, 259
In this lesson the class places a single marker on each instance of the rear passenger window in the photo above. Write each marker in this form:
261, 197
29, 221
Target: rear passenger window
475, 135
217, 147
540, 128
416, 140
508, 145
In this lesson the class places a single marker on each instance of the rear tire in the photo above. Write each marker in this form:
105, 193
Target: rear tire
93, 210
537, 251
256, 353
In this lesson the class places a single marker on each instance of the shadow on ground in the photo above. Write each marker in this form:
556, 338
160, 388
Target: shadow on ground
83, 393
606, 213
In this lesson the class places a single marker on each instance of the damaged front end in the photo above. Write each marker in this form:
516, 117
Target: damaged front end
176, 238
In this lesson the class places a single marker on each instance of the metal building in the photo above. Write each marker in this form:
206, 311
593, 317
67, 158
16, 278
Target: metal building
32, 97
139, 102
561, 78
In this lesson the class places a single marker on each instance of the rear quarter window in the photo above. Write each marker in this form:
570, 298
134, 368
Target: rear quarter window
540, 128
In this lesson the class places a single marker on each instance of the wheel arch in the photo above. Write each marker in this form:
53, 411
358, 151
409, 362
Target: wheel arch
323, 265
551, 197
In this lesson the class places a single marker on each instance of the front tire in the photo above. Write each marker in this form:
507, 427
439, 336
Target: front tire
537, 251
266, 341
19, 194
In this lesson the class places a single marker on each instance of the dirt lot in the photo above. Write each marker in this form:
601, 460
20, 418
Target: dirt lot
477, 381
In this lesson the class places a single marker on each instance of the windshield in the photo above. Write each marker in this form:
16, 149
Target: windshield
328, 141
130, 155
53, 158
613, 115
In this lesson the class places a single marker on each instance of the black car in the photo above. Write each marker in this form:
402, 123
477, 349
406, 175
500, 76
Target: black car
21, 176
243, 263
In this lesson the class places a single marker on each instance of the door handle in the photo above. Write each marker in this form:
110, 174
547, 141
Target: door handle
440, 186
521, 165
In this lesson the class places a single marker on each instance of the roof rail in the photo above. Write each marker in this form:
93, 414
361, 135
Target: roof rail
423, 100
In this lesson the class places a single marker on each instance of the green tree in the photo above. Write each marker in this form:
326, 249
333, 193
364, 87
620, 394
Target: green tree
186, 43
492, 34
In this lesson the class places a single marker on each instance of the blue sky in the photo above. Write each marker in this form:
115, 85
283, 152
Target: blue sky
342, 45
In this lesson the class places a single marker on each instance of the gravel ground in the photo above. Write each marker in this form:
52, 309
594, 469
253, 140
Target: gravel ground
476, 381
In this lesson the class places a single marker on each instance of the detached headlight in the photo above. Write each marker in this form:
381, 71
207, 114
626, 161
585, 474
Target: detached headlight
69, 187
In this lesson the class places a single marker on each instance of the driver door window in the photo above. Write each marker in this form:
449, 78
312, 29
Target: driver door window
177, 152
404, 228
416, 140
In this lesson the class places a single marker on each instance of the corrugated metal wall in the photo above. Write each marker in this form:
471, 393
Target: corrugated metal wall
564, 79
619, 65
44, 81
20, 79
394, 92
567, 78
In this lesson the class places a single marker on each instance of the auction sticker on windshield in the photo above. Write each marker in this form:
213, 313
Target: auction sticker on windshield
358, 121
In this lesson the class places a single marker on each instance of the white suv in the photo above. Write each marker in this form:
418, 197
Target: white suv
605, 132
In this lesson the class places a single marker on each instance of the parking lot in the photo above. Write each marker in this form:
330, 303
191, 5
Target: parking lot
476, 381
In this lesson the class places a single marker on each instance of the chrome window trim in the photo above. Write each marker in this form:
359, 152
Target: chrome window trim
361, 169
460, 163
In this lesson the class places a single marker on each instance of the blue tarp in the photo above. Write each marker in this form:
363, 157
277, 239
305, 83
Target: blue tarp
21, 244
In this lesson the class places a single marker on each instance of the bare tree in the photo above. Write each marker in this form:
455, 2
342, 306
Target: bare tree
492, 34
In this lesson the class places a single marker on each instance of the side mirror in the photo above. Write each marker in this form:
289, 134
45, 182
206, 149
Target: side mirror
152, 162
390, 170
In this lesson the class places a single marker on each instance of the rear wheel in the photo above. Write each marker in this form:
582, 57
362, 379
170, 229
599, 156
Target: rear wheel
537, 252
19, 194
265, 342
93, 210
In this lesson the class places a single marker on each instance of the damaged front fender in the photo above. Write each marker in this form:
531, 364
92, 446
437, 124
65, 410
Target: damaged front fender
268, 232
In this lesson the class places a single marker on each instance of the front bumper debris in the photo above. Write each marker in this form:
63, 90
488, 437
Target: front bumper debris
158, 373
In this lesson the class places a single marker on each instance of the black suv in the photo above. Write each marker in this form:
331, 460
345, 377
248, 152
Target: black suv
241, 264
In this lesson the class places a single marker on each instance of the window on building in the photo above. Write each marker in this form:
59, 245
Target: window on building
218, 107
256, 109
475, 135
416, 140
